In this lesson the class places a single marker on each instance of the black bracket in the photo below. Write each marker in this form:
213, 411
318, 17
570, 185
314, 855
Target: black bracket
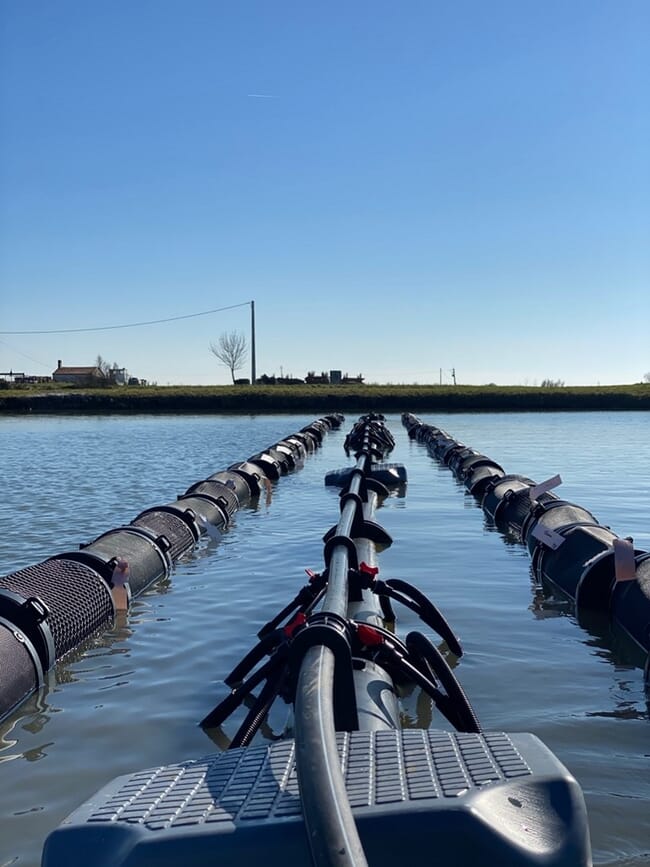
332, 541
332, 631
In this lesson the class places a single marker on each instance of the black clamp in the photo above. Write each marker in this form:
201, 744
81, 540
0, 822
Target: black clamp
332, 631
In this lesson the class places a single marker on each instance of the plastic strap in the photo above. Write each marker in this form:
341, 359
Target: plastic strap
624, 562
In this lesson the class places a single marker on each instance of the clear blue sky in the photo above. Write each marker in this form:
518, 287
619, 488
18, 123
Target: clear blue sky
400, 187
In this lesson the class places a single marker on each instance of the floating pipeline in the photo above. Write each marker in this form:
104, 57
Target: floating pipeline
569, 549
350, 786
49, 609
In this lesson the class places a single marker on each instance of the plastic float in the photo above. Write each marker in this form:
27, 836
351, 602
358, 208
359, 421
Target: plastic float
570, 550
48, 609
345, 786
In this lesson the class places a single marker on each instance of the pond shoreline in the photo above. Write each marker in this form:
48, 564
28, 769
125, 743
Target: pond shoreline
315, 399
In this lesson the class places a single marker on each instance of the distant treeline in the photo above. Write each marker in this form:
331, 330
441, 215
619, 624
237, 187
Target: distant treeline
325, 398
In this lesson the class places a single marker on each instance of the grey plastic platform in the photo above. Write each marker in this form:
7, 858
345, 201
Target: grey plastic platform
391, 475
492, 799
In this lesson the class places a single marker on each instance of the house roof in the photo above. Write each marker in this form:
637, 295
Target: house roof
79, 371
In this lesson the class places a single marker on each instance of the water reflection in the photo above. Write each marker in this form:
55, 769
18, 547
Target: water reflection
509, 537
222, 740
421, 716
469, 501
416, 706
608, 643
544, 604
38, 721
35, 713
623, 710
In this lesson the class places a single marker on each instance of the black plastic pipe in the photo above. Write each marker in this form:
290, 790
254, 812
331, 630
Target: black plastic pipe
331, 829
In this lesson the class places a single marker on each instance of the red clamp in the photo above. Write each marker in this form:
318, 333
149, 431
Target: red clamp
368, 636
368, 570
299, 620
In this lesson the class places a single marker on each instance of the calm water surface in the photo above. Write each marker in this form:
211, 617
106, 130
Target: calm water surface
132, 699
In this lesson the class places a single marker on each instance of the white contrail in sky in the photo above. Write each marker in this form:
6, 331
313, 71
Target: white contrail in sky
261, 95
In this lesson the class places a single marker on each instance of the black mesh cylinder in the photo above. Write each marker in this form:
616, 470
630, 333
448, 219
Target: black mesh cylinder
29, 614
20, 669
470, 463
449, 455
480, 477
322, 423
146, 554
79, 601
283, 457
445, 450
252, 473
596, 583
630, 603
427, 433
236, 482
205, 509
173, 527
297, 447
315, 429
224, 496
494, 494
456, 457
515, 507
285, 454
552, 514
335, 419
411, 423
309, 440
269, 466
439, 446
565, 565
185, 513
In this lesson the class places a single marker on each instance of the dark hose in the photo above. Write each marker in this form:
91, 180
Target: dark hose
331, 830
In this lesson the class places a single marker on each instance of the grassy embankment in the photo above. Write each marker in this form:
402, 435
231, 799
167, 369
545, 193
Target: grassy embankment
55, 398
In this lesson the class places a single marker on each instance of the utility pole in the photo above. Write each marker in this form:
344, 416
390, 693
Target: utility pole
453, 374
441, 376
253, 376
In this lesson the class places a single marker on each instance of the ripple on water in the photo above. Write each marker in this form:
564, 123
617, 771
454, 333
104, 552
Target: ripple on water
133, 697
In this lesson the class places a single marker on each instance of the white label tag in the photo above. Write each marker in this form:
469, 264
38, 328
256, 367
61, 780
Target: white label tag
543, 487
624, 565
549, 537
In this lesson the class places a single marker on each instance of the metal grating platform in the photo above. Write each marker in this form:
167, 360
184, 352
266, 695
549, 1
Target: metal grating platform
505, 794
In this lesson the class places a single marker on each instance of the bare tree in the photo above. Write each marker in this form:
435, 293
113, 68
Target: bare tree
231, 350
109, 371
646, 376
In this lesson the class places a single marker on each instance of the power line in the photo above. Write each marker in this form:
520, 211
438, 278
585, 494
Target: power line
24, 355
131, 324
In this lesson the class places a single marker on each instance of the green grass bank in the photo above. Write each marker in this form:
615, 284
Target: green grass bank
319, 399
